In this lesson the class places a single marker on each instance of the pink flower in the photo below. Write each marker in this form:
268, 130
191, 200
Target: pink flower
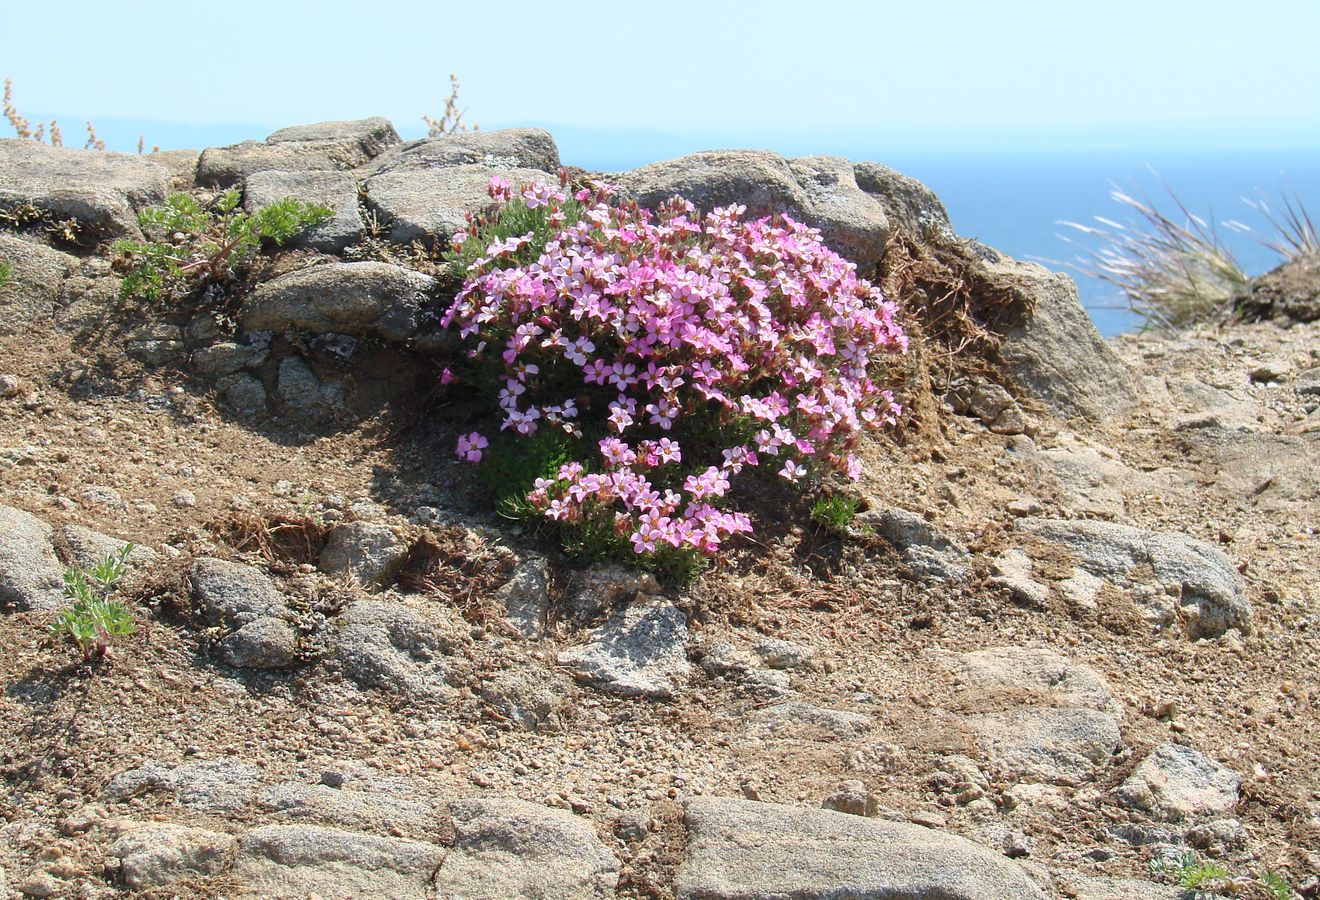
792, 471
470, 447
852, 466
679, 324
447, 376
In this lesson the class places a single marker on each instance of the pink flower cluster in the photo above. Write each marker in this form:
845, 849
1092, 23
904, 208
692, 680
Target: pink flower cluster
648, 517
647, 322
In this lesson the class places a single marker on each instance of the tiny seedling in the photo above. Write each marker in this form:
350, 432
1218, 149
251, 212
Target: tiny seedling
94, 620
190, 246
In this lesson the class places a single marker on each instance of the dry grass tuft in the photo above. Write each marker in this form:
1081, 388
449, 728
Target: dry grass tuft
451, 120
282, 540
456, 566
1172, 268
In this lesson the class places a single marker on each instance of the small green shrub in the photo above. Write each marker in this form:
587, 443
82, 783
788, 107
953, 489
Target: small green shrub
189, 246
835, 512
1201, 875
1277, 886
6, 273
94, 620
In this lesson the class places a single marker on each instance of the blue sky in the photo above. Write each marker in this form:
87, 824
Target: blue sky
948, 75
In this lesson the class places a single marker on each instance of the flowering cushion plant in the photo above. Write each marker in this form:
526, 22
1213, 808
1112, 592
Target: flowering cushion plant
671, 351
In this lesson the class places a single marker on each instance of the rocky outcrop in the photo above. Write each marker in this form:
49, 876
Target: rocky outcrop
1291, 291
1043, 717
738, 850
1051, 347
356, 298
1210, 594
390, 647
323, 147
430, 204
36, 281
297, 860
507, 150
31, 576
1176, 783
337, 190
244, 602
909, 205
522, 851
100, 192
157, 855
819, 190
638, 652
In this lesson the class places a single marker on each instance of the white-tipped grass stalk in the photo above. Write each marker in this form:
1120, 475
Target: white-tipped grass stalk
1171, 273
1294, 232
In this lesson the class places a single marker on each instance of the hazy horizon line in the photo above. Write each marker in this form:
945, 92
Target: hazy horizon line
1264, 135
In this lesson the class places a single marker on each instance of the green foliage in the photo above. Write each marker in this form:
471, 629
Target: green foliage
515, 219
1277, 886
511, 468
189, 246
6, 273
1197, 877
835, 512
1209, 879
94, 620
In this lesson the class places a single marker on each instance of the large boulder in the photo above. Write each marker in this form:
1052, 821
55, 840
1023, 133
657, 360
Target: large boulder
506, 150
100, 191
739, 850
819, 190
37, 278
430, 204
358, 298
326, 146
508, 849
31, 576
1211, 594
1049, 345
337, 190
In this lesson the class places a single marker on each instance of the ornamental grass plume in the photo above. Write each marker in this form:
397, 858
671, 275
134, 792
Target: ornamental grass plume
663, 355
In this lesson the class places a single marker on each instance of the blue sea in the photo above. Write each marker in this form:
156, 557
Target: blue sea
1010, 198
1015, 203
